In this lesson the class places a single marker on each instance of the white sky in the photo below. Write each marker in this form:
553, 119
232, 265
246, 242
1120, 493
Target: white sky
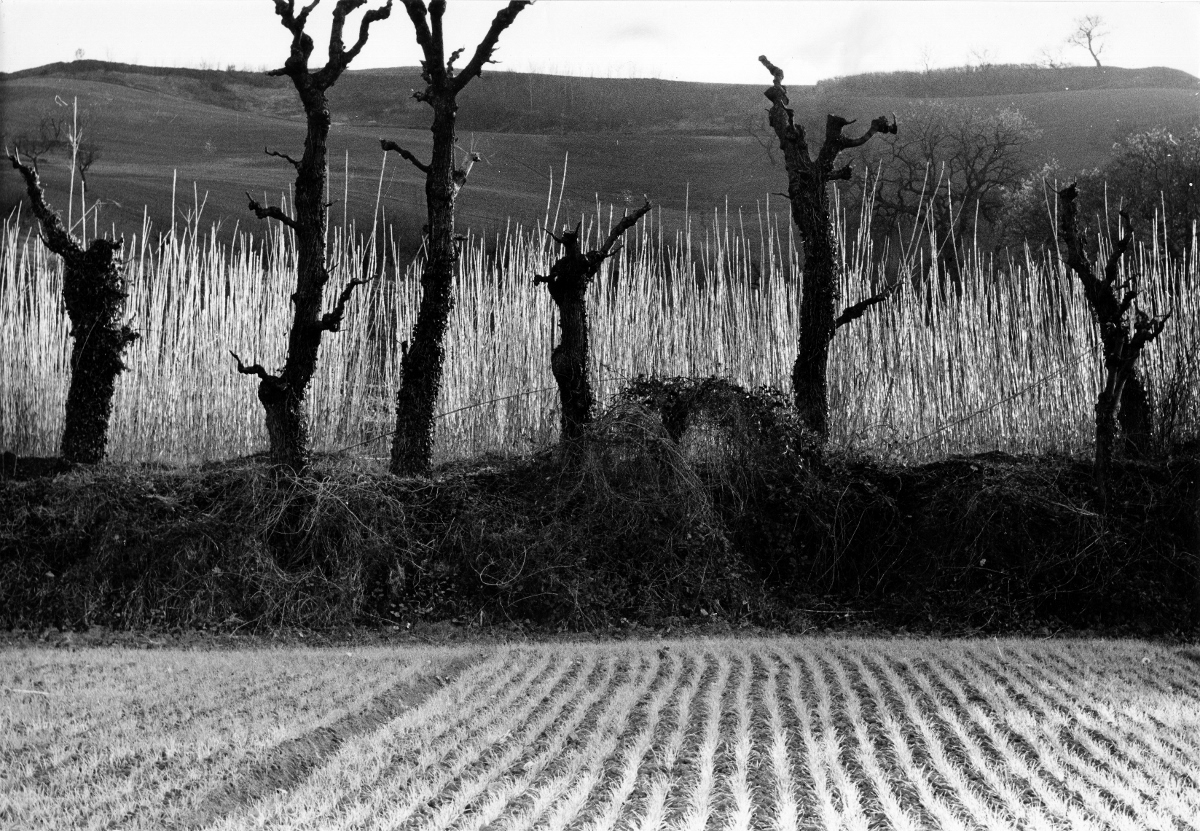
695, 40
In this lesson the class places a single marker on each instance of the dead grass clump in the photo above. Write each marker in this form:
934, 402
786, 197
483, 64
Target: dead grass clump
998, 538
230, 544
617, 524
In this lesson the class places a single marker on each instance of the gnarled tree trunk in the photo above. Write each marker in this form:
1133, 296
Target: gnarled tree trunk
1121, 342
808, 179
94, 295
421, 361
283, 396
568, 283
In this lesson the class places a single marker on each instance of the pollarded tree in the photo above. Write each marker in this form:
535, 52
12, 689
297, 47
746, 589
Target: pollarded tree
568, 283
283, 395
421, 362
808, 181
94, 295
1121, 338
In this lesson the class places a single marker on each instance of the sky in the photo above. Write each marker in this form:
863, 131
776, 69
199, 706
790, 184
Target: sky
689, 40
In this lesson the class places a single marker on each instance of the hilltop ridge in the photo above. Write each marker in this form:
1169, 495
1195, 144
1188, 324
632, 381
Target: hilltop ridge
521, 102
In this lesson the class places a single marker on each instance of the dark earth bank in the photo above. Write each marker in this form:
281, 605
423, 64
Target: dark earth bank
647, 527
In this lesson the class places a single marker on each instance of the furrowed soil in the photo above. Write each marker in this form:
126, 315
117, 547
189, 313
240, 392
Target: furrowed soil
755, 733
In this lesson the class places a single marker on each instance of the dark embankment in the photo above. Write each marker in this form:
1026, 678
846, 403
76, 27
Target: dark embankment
689, 500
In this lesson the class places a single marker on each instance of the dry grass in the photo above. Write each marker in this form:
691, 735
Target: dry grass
790, 734
1014, 355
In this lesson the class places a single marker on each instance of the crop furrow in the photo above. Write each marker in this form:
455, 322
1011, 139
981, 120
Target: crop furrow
456, 786
575, 789
346, 779
612, 794
986, 759
696, 796
666, 752
1025, 718
877, 732
820, 809
1077, 721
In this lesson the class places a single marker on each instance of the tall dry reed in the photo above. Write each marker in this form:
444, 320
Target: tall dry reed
1007, 362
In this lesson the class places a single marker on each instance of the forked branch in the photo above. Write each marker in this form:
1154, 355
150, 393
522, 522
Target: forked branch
332, 321
483, 53
255, 369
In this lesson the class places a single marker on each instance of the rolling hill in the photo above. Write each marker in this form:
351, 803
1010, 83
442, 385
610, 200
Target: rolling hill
201, 134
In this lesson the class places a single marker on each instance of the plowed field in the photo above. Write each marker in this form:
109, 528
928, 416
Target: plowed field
805, 734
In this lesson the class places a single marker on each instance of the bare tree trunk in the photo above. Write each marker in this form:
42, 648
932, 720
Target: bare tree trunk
94, 295
421, 361
1134, 418
568, 282
1122, 344
807, 189
283, 396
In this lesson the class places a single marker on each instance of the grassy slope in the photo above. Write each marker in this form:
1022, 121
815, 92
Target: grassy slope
771, 733
691, 141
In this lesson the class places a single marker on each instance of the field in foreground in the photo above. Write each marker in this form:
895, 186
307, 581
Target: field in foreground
701, 734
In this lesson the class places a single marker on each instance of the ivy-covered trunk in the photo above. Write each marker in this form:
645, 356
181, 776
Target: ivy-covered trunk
421, 359
421, 363
568, 283
94, 295
808, 180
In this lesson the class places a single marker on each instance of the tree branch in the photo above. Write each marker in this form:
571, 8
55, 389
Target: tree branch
416, 13
58, 239
302, 44
624, 225
835, 142
332, 321
859, 309
1120, 245
270, 212
255, 369
780, 116
483, 53
339, 58
283, 156
388, 144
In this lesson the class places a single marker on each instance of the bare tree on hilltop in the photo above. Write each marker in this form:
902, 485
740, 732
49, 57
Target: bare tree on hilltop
568, 283
421, 361
1087, 34
808, 179
94, 294
283, 395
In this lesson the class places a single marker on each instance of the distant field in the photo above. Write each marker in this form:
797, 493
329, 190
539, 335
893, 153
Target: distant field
808, 734
682, 145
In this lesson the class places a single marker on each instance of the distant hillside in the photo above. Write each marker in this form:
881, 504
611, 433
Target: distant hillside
1004, 79
682, 144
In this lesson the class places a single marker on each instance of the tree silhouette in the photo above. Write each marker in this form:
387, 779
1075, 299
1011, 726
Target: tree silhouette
808, 180
421, 363
1087, 34
283, 395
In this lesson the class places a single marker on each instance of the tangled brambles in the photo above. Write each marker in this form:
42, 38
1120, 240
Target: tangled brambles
616, 525
732, 519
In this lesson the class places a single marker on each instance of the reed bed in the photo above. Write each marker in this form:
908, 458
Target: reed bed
804, 734
1008, 362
